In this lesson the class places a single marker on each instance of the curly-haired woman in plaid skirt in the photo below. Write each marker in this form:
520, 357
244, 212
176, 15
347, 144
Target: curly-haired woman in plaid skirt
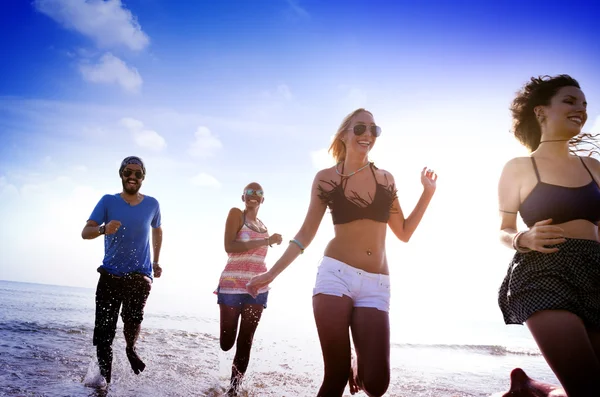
553, 282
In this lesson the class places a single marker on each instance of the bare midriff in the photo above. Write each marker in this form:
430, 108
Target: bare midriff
579, 228
360, 244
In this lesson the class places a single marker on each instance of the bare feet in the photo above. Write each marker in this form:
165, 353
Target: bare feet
523, 386
137, 365
234, 387
353, 382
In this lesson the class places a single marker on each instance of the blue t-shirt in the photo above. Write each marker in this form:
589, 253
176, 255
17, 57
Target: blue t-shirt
128, 250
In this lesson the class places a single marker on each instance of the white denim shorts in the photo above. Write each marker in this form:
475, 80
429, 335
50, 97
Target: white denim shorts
365, 289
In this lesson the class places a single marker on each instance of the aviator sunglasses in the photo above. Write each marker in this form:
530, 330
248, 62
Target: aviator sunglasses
253, 192
127, 173
360, 129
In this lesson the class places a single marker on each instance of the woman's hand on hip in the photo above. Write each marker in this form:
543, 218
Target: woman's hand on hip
542, 234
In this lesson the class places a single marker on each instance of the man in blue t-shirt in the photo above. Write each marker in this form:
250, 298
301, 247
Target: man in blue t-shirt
125, 220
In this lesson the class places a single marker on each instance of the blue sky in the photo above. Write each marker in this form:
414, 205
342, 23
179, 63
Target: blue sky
214, 95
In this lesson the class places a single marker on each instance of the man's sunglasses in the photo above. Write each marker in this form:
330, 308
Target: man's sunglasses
360, 129
253, 192
127, 173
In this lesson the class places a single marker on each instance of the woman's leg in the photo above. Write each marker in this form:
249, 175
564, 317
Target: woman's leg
333, 315
565, 344
371, 336
230, 316
250, 317
594, 336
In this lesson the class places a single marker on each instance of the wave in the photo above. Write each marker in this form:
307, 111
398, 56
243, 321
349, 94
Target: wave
493, 350
36, 327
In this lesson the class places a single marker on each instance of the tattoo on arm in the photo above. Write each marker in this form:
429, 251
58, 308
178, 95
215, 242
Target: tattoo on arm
394, 210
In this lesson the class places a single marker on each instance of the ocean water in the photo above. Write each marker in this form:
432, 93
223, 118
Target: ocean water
46, 350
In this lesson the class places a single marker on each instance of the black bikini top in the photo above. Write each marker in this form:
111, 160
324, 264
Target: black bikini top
561, 203
346, 209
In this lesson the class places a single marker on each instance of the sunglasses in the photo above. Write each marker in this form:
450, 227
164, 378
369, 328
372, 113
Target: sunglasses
360, 129
253, 192
127, 173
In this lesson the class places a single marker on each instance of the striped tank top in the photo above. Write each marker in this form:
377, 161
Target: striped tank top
242, 266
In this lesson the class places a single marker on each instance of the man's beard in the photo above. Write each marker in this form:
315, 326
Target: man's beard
130, 190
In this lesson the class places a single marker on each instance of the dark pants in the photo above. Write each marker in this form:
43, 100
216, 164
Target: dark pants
131, 291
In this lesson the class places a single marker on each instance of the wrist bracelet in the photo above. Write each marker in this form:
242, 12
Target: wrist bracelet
515, 243
268, 242
298, 244
514, 240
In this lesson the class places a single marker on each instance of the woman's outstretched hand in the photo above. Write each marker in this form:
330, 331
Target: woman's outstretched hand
258, 282
429, 179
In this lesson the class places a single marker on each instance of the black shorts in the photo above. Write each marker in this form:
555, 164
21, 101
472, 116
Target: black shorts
131, 291
568, 279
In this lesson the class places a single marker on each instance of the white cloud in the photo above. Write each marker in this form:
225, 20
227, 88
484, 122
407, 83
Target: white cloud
132, 124
298, 11
111, 70
8, 191
107, 22
281, 92
284, 91
148, 139
46, 188
205, 180
205, 144
321, 159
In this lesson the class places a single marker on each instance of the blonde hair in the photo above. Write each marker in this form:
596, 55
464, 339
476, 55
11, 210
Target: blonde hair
338, 148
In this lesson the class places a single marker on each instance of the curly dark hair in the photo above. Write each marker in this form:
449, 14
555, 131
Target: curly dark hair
538, 92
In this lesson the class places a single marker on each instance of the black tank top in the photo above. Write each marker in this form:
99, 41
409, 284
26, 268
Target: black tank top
561, 203
346, 209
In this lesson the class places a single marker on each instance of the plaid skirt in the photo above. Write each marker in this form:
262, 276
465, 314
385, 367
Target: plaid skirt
565, 280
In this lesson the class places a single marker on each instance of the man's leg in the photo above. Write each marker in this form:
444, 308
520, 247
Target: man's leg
135, 295
108, 303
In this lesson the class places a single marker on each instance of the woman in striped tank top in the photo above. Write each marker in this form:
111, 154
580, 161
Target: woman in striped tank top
246, 243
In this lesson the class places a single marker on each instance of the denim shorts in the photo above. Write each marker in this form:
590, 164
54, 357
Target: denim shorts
365, 289
239, 300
